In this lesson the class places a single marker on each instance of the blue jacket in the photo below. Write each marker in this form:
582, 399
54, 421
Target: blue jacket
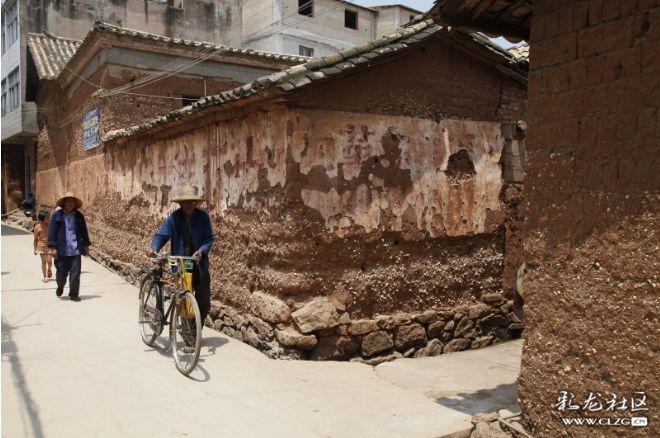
57, 232
202, 235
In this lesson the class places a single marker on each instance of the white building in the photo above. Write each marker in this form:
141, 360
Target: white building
317, 27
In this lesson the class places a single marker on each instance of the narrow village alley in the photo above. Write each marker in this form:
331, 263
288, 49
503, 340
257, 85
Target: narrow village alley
80, 370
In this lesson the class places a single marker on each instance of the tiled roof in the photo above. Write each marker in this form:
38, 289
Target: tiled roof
100, 26
503, 17
521, 52
321, 69
50, 53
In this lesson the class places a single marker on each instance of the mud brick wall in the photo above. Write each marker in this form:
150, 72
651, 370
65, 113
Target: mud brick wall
60, 134
356, 214
592, 300
372, 215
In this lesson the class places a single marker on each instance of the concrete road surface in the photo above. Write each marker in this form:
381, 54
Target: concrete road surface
80, 370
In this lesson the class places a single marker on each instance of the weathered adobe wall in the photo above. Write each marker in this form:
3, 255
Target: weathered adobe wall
60, 139
325, 220
592, 283
435, 81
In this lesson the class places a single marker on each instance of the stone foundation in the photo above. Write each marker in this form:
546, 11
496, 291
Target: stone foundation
323, 330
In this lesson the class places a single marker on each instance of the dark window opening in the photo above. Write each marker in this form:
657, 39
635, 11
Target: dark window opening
306, 7
188, 100
350, 19
305, 51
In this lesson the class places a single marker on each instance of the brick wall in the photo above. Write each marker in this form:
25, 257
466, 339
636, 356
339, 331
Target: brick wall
435, 81
60, 136
592, 188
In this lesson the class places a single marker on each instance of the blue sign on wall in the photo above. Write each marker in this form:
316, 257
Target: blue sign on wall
91, 124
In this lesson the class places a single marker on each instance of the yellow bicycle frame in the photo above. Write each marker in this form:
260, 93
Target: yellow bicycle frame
183, 280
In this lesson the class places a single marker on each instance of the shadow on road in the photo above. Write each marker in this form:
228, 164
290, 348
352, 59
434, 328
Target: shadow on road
209, 345
484, 400
212, 343
11, 231
10, 355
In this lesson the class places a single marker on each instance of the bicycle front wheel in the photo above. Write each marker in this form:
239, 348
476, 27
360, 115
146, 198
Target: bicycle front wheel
151, 316
186, 332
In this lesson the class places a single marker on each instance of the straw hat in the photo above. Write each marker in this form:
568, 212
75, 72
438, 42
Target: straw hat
187, 193
60, 202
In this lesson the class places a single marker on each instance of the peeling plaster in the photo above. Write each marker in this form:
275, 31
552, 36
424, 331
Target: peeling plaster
437, 206
356, 170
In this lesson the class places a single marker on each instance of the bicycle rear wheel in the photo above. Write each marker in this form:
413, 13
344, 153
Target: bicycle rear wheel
151, 315
186, 332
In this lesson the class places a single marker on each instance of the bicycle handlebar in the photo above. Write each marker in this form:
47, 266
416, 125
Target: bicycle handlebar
161, 258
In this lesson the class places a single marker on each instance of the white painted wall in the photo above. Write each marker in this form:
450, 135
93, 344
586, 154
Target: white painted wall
276, 25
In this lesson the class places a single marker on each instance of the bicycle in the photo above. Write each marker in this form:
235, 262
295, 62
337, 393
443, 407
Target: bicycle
182, 314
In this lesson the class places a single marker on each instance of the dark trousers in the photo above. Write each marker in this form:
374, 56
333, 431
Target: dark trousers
202, 285
68, 266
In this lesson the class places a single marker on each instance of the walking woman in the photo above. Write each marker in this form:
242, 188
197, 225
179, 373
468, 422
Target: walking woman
41, 245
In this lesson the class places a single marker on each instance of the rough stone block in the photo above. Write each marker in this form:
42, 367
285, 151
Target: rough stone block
318, 314
335, 348
432, 348
465, 329
270, 309
407, 336
385, 322
362, 327
478, 310
456, 345
490, 322
261, 327
426, 317
435, 329
481, 342
290, 337
214, 311
376, 342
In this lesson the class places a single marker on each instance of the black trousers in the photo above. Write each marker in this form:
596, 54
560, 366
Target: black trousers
202, 285
69, 266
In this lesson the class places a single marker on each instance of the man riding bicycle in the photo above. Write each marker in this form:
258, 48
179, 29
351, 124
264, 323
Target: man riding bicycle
190, 234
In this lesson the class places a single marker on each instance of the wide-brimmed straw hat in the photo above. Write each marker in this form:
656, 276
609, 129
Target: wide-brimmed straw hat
60, 202
187, 193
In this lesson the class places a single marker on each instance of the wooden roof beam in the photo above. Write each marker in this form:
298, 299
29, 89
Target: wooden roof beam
483, 7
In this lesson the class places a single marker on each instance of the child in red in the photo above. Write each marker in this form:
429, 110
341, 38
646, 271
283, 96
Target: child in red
41, 245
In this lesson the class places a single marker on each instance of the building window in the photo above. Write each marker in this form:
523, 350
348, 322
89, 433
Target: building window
350, 19
189, 100
305, 51
11, 91
4, 96
306, 7
9, 26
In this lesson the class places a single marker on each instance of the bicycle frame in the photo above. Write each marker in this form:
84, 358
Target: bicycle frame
182, 314
181, 282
